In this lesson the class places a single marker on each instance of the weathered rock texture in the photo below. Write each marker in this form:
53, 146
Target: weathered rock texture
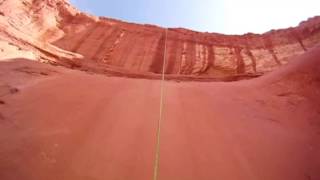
59, 33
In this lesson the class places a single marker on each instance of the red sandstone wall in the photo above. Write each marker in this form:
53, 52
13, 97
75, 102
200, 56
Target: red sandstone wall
141, 48
108, 43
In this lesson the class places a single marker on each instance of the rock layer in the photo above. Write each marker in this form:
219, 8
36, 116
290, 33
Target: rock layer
61, 34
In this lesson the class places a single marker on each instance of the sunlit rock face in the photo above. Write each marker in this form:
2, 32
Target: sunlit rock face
60, 34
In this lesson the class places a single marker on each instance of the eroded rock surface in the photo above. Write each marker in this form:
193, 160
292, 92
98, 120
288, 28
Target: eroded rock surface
58, 33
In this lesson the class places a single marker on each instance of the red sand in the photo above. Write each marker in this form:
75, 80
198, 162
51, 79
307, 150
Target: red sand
64, 124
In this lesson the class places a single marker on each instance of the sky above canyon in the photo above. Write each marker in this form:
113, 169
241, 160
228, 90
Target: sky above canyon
222, 16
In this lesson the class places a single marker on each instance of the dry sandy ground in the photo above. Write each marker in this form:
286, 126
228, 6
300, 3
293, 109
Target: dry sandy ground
61, 124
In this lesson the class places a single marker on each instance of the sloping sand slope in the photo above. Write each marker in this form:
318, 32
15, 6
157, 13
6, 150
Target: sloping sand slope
57, 123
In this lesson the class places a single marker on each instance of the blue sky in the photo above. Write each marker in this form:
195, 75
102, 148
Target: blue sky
223, 16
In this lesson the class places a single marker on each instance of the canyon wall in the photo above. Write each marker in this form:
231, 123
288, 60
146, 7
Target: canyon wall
63, 35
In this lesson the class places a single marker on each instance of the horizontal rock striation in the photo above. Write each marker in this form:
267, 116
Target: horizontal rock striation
103, 44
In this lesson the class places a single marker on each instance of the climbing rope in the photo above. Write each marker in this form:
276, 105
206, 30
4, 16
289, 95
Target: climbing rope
157, 156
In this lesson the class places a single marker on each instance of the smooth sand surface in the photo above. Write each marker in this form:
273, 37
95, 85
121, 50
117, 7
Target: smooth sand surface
57, 123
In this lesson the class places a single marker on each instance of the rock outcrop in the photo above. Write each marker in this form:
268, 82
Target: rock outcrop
61, 34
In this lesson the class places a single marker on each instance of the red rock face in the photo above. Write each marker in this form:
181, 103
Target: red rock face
62, 124
69, 37
141, 48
